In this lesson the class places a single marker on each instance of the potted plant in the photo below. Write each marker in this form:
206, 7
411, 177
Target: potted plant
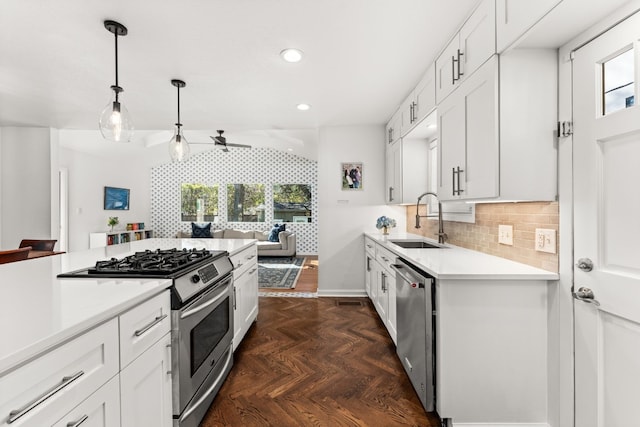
113, 220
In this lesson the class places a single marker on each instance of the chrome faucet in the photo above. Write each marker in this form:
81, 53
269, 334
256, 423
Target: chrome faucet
442, 236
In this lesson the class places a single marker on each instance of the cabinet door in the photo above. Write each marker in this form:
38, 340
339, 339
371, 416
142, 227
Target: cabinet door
408, 114
250, 297
382, 297
393, 127
425, 94
238, 311
101, 409
392, 325
393, 173
451, 146
514, 18
481, 175
447, 69
145, 388
478, 38
368, 268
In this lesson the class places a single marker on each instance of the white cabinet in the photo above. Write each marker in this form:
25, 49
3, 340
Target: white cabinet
50, 386
145, 388
369, 270
108, 238
496, 132
514, 18
469, 48
393, 173
383, 294
245, 292
145, 363
420, 102
394, 127
101, 409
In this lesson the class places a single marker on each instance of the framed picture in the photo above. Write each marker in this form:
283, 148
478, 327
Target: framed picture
351, 174
116, 199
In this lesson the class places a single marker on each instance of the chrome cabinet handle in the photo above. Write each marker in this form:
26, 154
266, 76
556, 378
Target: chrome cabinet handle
453, 181
66, 381
252, 271
415, 111
453, 70
168, 346
234, 298
368, 264
150, 325
239, 265
391, 194
456, 180
585, 264
384, 282
77, 423
586, 295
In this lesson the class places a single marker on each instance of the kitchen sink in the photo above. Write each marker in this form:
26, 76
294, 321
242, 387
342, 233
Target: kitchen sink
415, 244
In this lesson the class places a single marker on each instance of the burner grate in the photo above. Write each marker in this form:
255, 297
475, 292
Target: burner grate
160, 261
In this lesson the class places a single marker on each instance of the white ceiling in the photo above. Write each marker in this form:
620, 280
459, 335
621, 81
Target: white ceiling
362, 57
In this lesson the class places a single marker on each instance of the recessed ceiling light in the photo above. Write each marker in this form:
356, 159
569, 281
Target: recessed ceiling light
303, 107
291, 55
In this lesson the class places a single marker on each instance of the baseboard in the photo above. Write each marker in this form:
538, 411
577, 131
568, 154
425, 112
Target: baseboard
341, 293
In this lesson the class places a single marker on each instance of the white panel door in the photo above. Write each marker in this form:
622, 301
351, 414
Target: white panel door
607, 229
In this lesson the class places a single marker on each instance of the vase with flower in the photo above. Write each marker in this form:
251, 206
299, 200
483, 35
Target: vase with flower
385, 223
113, 221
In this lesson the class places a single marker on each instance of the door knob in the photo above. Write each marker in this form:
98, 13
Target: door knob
586, 295
585, 264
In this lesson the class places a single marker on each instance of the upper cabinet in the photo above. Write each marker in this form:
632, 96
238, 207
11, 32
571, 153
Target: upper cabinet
393, 127
514, 18
496, 132
469, 48
420, 102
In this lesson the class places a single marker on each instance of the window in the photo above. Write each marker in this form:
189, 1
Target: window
245, 202
199, 203
292, 203
617, 78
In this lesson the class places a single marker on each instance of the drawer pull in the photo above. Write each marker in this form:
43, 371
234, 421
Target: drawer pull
253, 271
239, 265
251, 257
18, 413
77, 423
150, 325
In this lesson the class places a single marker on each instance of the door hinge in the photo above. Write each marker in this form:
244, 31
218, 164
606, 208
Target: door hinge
565, 129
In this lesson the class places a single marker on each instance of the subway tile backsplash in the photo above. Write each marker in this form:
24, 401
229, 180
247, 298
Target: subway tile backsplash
483, 235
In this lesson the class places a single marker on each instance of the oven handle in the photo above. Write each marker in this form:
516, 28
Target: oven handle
201, 306
189, 409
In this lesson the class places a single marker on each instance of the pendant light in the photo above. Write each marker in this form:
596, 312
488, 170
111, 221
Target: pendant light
115, 121
178, 146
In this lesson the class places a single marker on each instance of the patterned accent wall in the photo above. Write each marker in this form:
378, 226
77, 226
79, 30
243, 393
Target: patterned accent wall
238, 166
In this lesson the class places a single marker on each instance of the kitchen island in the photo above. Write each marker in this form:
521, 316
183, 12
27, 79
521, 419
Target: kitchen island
66, 338
495, 329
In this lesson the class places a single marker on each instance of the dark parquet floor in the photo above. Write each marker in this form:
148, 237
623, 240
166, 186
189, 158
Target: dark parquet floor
315, 362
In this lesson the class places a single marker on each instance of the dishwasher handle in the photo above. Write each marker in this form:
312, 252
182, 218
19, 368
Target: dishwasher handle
414, 283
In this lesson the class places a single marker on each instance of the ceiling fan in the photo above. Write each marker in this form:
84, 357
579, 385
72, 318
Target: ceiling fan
222, 141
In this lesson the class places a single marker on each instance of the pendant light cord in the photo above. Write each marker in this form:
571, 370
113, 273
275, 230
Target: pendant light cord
118, 89
178, 124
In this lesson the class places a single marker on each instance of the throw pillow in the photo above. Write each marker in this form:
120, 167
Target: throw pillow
273, 236
201, 231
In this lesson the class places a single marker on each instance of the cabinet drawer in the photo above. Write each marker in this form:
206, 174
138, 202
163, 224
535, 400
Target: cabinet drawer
385, 257
101, 409
142, 326
49, 387
370, 247
245, 260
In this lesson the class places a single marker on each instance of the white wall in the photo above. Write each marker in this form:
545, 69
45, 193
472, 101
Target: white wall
25, 175
345, 215
89, 174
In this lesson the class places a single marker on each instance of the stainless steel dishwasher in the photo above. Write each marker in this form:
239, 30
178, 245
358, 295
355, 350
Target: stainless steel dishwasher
416, 328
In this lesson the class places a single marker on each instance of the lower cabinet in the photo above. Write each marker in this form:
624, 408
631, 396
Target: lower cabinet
101, 409
145, 388
245, 292
382, 285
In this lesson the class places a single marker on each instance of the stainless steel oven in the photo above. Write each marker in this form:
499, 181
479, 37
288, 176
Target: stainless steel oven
202, 352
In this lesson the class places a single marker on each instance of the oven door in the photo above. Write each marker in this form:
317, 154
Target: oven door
202, 332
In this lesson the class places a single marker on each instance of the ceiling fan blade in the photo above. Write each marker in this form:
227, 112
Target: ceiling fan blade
229, 144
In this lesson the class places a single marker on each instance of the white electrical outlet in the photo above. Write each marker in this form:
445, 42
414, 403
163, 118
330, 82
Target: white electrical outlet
505, 234
546, 240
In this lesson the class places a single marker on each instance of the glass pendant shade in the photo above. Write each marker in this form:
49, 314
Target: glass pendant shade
115, 121
178, 147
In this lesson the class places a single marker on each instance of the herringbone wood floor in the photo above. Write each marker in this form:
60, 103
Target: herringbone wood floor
312, 362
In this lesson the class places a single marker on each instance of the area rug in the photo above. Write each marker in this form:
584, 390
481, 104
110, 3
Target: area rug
279, 273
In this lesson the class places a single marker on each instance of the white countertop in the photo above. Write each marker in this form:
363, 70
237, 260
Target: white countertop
40, 311
453, 262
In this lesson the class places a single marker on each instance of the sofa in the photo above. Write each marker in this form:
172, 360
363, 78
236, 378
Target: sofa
285, 246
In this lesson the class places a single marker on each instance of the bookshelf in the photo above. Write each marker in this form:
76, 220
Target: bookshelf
108, 238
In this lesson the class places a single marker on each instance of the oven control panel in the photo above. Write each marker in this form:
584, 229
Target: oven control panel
191, 284
208, 273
